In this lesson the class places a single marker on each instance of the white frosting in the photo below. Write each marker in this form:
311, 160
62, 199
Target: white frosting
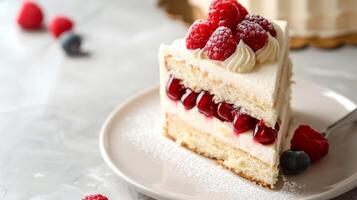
199, 53
306, 18
223, 131
269, 52
242, 60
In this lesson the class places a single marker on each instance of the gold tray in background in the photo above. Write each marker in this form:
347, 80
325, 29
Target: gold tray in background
179, 9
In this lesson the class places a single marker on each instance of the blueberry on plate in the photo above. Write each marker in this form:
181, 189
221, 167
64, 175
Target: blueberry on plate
294, 162
71, 43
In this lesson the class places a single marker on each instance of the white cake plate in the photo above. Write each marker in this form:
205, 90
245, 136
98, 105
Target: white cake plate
132, 145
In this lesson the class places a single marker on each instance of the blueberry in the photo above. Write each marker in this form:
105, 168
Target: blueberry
294, 162
71, 43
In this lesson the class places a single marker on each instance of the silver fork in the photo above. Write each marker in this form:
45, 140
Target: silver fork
349, 118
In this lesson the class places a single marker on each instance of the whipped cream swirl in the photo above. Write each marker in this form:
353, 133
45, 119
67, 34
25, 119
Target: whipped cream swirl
242, 60
199, 53
269, 52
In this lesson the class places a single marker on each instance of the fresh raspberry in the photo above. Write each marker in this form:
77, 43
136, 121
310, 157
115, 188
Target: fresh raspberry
312, 142
223, 13
198, 34
59, 25
242, 12
264, 23
30, 16
221, 44
95, 197
252, 34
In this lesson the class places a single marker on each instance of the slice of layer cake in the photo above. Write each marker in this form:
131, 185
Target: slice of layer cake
225, 91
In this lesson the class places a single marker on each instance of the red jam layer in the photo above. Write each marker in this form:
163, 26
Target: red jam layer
223, 111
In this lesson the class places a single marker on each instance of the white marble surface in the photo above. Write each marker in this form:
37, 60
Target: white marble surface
52, 107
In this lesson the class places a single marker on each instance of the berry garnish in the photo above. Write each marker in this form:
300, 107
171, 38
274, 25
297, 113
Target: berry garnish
263, 134
198, 34
243, 122
174, 89
225, 111
206, 105
242, 12
30, 16
252, 34
188, 99
294, 162
221, 44
95, 197
223, 13
312, 142
71, 43
264, 23
59, 25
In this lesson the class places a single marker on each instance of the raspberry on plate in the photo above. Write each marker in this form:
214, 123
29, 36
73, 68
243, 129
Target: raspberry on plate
198, 34
221, 44
96, 197
59, 25
264, 23
30, 16
252, 34
312, 142
223, 13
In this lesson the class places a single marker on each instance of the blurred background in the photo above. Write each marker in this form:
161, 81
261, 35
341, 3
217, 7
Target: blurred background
52, 105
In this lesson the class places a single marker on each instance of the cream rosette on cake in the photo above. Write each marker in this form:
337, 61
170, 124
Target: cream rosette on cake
244, 59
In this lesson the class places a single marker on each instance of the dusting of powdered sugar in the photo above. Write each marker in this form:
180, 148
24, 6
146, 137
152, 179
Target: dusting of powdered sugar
145, 133
291, 186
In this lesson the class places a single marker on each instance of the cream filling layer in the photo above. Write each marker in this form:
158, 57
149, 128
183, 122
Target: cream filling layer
223, 131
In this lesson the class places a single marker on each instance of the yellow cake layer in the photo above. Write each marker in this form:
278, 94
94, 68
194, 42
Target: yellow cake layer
238, 161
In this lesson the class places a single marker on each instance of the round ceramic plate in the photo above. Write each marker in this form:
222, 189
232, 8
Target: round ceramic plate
132, 145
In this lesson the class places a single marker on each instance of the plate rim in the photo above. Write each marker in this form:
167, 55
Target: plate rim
102, 146
349, 183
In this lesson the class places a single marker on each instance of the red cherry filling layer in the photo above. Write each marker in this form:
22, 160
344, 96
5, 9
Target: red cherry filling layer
188, 99
206, 105
174, 88
223, 111
243, 122
263, 134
